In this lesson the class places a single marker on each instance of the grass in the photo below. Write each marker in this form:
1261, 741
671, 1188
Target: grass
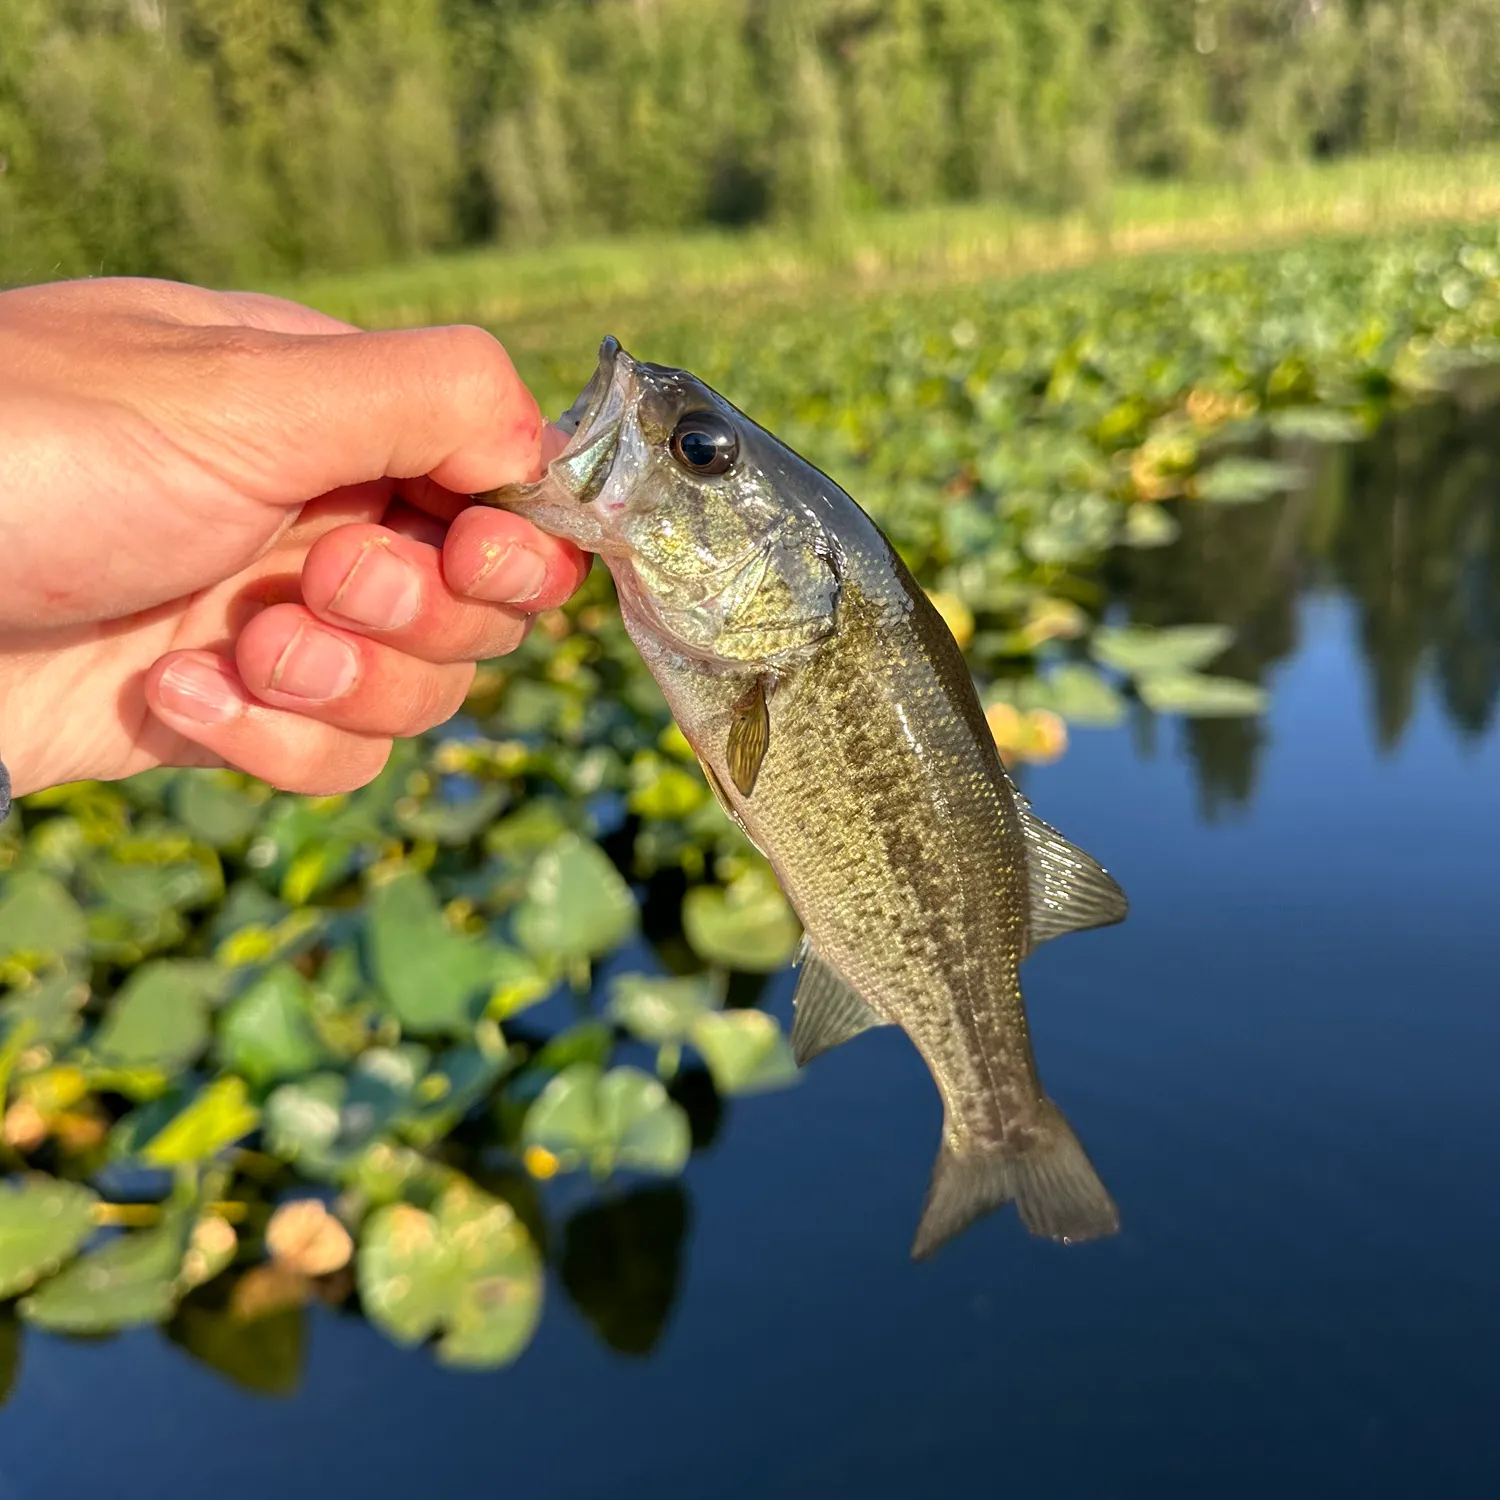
529, 292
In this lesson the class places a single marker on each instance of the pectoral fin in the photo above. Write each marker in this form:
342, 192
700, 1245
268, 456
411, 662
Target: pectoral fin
1069, 890
828, 1009
749, 737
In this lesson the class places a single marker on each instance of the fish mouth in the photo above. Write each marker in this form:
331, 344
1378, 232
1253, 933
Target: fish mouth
593, 424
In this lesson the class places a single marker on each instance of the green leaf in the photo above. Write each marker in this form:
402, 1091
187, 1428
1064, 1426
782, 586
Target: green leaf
745, 1051
660, 789
39, 917
215, 808
1200, 697
459, 1079
1239, 481
158, 1021
452, 821
268, 1034
622, 1118
1083, 696
1141, 650
127, 1281
746, 925
1317, 424
48, 1007
1149, 526
405, 1271
150, 889
220, 1115
577, 905
435, 979
656, 1009
43, 1222
498, 1301
467, 1271
516, 981
303, 1122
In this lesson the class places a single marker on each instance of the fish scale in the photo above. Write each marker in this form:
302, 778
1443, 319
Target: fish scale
838, 724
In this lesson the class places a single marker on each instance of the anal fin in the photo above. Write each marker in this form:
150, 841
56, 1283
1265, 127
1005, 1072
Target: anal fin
828, 1009
1070, 891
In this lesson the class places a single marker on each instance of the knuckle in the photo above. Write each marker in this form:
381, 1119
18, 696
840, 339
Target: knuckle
487, 385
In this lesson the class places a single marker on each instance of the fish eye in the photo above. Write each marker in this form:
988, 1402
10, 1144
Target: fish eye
704, 442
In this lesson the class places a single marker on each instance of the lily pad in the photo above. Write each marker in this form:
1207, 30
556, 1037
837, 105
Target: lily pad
1317, 424
468, 1273
1197, 696
745, 1051
1141, 650
1240, 481
577, 906
586, 1117
746, 925
1083, 696
49, 1009
1149, 526
436, 980
127, 1281
43, 1223
657, 1009
268, 1034
159, 1020
220, 1115
39, 917
216, 807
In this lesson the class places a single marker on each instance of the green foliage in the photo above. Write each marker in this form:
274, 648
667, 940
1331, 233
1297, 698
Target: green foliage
225, 139
42, 1224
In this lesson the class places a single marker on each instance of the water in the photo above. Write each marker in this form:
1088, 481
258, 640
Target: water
1285, 1066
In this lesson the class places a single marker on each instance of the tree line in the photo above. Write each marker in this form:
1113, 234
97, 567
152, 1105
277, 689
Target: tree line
229, 140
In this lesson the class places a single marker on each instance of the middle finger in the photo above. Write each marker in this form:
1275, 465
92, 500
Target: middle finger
290, 659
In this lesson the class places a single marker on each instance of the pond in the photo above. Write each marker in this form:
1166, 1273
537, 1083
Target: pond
1284, 1065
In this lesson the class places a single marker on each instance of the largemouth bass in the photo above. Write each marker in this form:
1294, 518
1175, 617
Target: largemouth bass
837, 723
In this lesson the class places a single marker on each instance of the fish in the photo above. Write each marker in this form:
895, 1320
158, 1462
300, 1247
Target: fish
838, 725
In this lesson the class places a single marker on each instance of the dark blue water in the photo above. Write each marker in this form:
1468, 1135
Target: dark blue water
1286, 1065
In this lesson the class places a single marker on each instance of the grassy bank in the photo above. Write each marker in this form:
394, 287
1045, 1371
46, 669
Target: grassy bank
514, 289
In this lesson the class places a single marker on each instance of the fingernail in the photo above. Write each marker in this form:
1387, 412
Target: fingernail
201, 691
510, 575
315, 665
381, 590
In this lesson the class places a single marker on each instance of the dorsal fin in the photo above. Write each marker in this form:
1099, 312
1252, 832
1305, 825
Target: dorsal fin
828, 1009
1070, 891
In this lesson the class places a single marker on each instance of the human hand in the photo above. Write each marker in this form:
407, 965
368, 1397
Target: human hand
233, 531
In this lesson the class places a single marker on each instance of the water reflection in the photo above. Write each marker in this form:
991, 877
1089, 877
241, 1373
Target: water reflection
622, 1261
1406, 526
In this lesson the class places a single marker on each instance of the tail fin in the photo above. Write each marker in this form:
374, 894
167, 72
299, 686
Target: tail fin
1053, 1184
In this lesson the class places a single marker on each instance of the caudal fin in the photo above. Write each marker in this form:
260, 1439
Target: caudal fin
1053, 1185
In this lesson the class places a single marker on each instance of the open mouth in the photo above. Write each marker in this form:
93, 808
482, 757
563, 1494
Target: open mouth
593, 423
